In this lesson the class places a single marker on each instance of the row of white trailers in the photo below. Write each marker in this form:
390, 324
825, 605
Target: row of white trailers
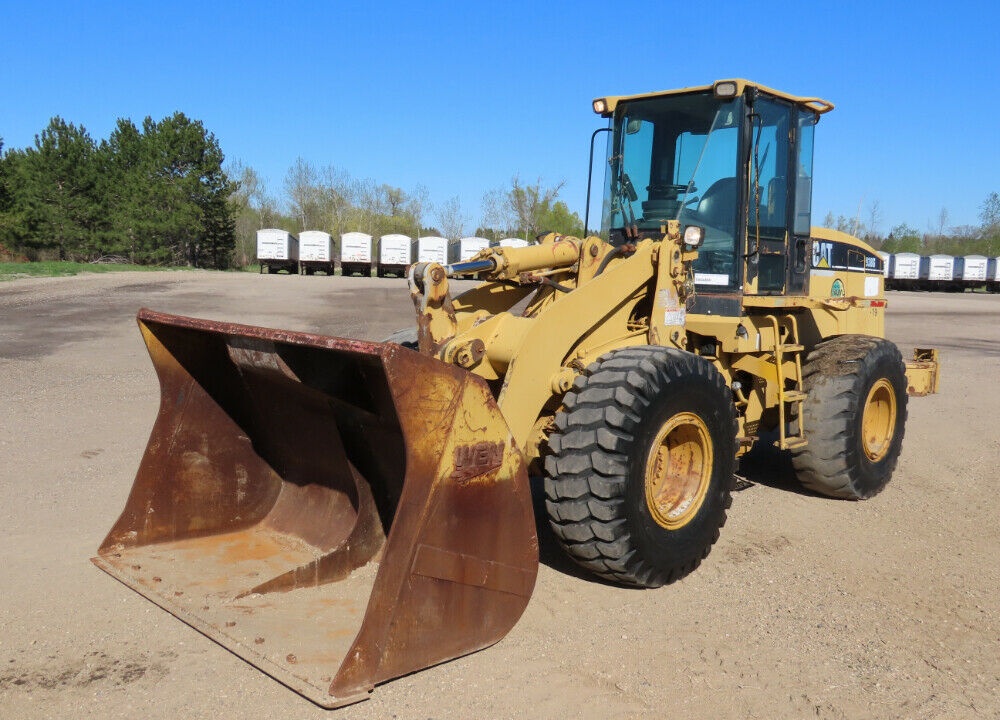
946, 273
313, 251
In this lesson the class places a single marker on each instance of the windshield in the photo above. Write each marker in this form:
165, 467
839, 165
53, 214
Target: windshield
676, 157
658, 148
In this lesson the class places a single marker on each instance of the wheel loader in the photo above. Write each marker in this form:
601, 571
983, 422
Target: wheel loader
340, 512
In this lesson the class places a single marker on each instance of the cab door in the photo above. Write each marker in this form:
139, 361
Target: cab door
772, 254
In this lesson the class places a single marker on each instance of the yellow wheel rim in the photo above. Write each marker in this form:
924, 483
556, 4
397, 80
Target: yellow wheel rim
678, 470
878, 422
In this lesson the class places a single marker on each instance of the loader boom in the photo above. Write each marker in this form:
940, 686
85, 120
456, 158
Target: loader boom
539, 351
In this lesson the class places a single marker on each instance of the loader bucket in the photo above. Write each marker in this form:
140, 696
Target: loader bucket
336, 512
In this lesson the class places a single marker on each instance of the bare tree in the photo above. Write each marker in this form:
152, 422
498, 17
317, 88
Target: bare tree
369, 205
253, 209
450, 219
417, 205
989, 212
874, 219
302, 189
497, 214
395, 198
335, 199
530, 202
942, 221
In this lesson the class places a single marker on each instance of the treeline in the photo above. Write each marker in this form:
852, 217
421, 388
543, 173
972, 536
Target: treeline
332, 200
160, 194
152, 195
943, 239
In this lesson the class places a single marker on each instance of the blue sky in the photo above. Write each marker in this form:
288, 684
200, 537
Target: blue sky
460, 97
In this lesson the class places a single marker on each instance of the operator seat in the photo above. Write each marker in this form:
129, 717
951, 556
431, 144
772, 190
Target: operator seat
774, 208
718, 205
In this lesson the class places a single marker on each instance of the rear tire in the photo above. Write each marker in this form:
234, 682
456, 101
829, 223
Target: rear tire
641, 470
854, 416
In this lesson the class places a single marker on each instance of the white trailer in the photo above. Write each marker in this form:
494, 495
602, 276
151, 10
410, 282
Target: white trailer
905, 271
393, 255
356, 254
993, 275
513, 242
974, 270
277, 250
431, 249
316, 252
886, 261
941, 268
937, 272
467, 248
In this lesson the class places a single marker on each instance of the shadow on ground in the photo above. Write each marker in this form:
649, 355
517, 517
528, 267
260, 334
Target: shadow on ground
765, 465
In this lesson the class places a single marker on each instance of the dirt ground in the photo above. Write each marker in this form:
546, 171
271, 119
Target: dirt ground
807, 607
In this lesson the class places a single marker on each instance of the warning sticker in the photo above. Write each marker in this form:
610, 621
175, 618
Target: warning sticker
668, 298
674, 317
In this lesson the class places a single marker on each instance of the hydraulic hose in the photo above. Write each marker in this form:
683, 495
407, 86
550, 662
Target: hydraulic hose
616, 252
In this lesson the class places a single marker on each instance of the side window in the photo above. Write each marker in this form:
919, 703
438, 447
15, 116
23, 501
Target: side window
803, 180
630, 167
769, 191
638, 154
769, 170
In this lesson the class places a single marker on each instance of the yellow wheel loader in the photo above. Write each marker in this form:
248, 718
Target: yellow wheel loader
340, 513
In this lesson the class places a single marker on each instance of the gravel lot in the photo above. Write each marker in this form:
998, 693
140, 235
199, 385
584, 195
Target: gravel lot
807, 607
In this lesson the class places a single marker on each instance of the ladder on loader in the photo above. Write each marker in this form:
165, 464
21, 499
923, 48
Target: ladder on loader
789, 399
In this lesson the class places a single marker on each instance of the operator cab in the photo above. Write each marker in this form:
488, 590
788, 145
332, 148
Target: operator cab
734, 159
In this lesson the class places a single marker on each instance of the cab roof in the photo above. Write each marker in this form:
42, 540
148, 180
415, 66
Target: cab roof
729, 88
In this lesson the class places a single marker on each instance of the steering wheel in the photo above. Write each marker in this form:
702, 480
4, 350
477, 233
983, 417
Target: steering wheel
715, 261
668, 191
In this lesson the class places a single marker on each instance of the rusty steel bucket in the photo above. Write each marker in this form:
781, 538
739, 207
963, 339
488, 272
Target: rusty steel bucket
336, 512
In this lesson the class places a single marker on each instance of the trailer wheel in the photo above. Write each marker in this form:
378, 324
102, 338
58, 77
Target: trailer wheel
641, 466
854, 416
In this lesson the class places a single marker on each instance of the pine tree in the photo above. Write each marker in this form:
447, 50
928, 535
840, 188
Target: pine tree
54, 192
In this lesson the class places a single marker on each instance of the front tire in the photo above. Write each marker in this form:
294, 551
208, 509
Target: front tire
641, 470
854, 416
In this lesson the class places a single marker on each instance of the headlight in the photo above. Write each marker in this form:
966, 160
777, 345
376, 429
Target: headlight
600, 106
693, 235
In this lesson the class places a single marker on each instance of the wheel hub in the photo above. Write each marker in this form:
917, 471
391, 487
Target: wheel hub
878, 422
678, 470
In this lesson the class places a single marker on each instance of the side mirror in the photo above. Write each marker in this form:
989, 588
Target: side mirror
693, 235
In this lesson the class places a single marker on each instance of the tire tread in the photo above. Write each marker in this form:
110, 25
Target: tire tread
586, 474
